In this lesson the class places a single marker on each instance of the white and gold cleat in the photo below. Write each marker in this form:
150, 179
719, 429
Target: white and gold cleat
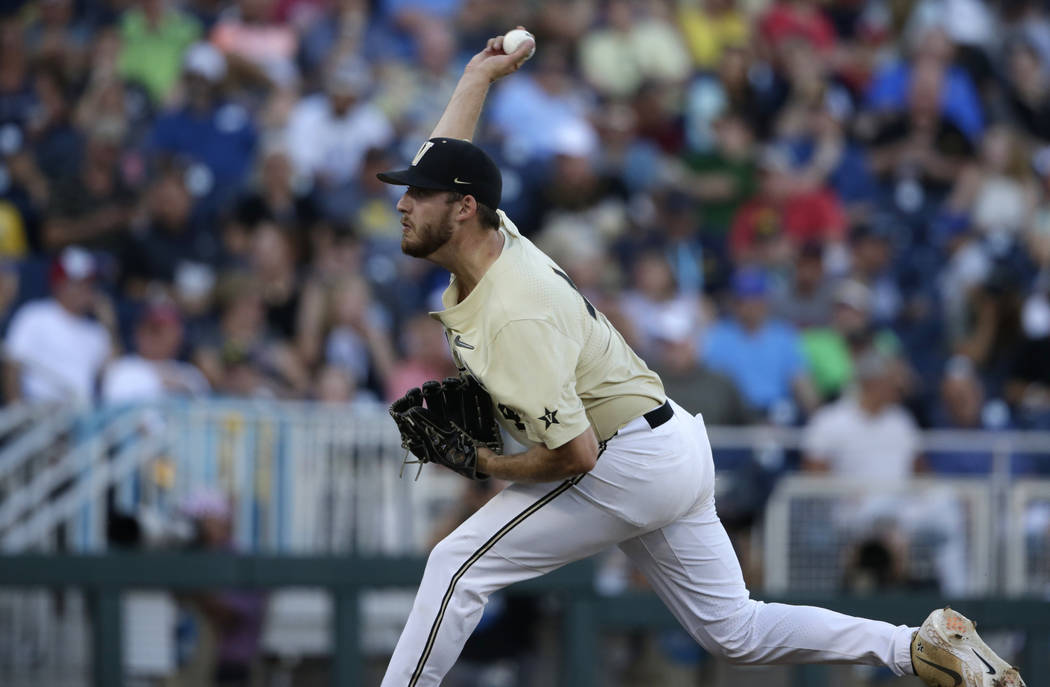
947, 652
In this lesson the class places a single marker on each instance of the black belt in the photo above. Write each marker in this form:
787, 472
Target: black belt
657, 417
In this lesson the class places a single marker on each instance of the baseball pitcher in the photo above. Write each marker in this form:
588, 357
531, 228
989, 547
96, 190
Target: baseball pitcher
611, 460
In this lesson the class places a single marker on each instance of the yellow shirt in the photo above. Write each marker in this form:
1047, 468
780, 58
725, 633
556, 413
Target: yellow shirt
551, 362
708, 35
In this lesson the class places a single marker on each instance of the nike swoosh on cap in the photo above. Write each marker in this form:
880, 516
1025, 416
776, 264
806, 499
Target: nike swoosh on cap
947, 671
461, 343
456, 180
991, 670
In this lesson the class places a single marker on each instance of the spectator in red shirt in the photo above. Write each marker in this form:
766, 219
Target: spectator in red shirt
797, 19
785, 214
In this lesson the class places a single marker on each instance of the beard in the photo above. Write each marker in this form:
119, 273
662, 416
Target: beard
428, 238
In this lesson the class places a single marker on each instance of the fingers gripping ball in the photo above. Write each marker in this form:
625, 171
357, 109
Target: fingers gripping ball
514, 38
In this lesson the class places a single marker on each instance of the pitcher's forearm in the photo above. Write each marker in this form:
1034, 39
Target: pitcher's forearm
461, 115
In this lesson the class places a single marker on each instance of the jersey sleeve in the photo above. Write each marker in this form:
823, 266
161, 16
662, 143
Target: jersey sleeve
532, 377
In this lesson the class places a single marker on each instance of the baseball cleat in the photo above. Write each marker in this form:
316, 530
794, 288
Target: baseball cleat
947, 652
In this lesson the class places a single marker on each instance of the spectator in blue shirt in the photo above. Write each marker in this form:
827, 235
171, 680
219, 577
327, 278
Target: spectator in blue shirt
219, 135
763, 356
960, 103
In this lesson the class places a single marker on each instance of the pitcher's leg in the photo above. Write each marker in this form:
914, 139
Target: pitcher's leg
692, 566
522, 532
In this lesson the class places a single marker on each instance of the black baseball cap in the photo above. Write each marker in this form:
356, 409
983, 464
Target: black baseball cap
451, 164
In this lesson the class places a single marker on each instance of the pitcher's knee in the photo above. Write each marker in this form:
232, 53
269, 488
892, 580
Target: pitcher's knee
733, 637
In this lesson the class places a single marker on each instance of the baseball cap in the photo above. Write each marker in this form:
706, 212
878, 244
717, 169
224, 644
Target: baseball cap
74, 263
205, 60
451, 164
853, 294
749, 282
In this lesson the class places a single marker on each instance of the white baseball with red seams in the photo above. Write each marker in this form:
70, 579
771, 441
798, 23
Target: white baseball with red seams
513, 39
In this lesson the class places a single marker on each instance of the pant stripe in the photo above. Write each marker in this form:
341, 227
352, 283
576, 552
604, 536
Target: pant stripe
518, 519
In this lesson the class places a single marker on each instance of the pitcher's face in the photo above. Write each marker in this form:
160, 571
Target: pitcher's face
426, 221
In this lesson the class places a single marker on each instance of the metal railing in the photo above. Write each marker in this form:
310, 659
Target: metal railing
586, 614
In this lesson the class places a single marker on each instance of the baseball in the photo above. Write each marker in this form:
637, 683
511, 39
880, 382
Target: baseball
513, 39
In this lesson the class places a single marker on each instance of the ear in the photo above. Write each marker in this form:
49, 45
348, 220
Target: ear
468, 209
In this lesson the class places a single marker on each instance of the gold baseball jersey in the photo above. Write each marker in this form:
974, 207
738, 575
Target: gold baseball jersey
551, 362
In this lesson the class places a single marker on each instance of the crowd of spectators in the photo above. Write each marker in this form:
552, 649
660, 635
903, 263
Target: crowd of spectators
759, 193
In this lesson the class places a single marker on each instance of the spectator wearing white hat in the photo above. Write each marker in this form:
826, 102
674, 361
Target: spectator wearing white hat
329, 133
54, 350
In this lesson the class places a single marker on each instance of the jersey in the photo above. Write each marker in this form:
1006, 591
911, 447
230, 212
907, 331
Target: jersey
552, 363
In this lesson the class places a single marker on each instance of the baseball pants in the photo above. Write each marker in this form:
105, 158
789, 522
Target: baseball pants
651, 493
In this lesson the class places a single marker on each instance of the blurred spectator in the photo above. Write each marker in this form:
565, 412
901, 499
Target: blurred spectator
531, 107
329, 133
830, 351
993, 333
762, 356
92, 204
962, 404
723, 177
808, 297
694, 385
710, 26
241, 356
357, 338
336, 385
656, 308
1028, 88
1028, 388
425, 356
54, 350
871, 253
997, 192
929, 83
369, 205
577, 196
797, 19
166, 235
414, 96
236, 616
256, 44
277, 194
55, 35
631, 45
867, 436
966, 266
153, 372
50, 131
864, 435
154, 34
207, 129
918, 153
770, 227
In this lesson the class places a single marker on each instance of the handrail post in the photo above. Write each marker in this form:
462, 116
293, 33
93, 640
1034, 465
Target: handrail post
347, 665
107, 644
580, 658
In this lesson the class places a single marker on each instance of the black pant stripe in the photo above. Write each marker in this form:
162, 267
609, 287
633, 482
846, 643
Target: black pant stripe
518, 519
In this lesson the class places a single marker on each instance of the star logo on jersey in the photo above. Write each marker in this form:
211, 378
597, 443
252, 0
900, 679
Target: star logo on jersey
549, 417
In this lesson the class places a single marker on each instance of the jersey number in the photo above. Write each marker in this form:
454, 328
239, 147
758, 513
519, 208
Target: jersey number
590, 308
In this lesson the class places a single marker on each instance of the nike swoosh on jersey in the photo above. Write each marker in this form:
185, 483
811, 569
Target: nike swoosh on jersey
461, 343
991, 670
456, 180
947, 671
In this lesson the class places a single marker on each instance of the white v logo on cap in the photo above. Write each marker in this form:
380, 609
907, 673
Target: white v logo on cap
422, 151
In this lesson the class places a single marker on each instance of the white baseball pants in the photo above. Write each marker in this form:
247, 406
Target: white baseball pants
652, 493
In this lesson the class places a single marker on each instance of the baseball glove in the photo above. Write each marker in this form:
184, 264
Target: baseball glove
456, 419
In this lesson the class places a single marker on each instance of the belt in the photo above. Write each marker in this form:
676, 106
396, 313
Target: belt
657, 417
